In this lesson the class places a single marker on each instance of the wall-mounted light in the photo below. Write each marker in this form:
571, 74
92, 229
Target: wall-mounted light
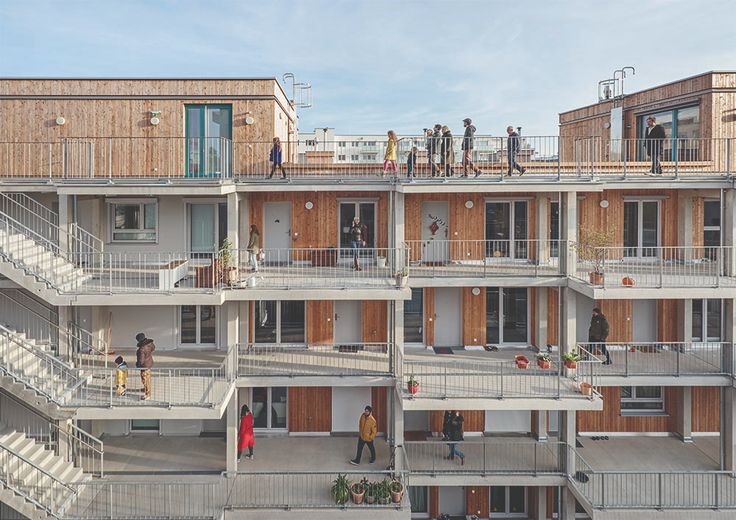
469, 204
603, 204
476, 291
249, 120
60, 121
309, 204
154, 120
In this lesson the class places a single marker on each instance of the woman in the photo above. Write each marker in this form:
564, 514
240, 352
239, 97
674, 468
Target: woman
391, 156
456, 435
447, 151
246, 439
275, 158
254, 246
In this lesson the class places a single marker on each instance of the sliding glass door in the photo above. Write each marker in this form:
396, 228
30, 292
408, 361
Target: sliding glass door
208, 132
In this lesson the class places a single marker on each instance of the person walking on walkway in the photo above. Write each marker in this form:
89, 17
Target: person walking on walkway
367, 429
391, 155
512, 149
598, 332
411, 163
447, 151
358, 237
430, 147
456, 435
654, 141
446, 422
254, 246
467, 148
246, 438
144, 361
275, 157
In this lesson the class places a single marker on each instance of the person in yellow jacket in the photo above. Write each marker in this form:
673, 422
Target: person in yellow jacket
121, 375
391, 156
367, 429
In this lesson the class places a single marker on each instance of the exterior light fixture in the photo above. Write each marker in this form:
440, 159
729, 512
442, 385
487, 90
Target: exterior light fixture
469, 204
603, 204
309, 204
60, 121
154, 120
249, 120
476, 291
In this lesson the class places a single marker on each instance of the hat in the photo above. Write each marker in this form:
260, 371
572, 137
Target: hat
467, 120
119, 359
140, 337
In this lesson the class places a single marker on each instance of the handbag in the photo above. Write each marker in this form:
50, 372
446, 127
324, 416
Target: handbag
261, 255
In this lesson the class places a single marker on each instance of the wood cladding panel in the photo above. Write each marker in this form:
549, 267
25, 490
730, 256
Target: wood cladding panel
379, 403
474, 316
375, 327
475, 420
698, 221
320, 324
667, 320
429, 313
310, 409
611, 420
434, 501
319, 227
706, 401
619, 314
478, 501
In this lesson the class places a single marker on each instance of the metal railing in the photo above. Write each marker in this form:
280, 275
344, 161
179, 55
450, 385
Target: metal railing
33, 483
657, 267
485, 457
349, 359
485, 258
661, 358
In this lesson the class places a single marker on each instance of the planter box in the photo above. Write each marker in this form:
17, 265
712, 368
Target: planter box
521, 361
586, 388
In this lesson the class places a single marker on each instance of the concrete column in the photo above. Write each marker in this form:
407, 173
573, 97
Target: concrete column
728, 230
543, 228
685, 420
398, 424
567, 504
568, 320
542, 325
685, 320
397, 220
233, 219
232, 328
569, 230
65, 314
567, 427
231, 434
65, 214
540, 497
539, 425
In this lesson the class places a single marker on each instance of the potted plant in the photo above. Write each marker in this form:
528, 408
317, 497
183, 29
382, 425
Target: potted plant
383, 492
571, 359
370, 492
628, 281
357, 490
521, 361
397, 491
413, 385
228, 272
590, 248
340, 489
381, 262
544, 360
586, 388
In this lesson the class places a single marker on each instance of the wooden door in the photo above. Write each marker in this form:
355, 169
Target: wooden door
310, 409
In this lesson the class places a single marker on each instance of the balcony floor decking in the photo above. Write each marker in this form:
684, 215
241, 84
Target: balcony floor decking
652, 276
642, 453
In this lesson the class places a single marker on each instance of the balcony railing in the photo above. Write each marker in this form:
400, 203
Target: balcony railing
662, 358
484, 457
181, 158
657, 267
349, 359
485, 258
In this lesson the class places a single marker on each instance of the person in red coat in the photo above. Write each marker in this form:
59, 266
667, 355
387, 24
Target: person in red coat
246, 439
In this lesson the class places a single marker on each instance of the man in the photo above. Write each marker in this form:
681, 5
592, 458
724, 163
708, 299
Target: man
144, 361
598, 332
358, 236
467, 148
654, 140
512, 148
367, 430
456, 435
436, 140
429, 146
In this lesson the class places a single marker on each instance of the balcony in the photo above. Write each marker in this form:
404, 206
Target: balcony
436, 261
203, 160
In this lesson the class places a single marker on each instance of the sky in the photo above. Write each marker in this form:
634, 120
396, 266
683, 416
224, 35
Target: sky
376, 65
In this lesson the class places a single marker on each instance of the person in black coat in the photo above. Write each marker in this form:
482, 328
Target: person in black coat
598, 332
654, 141
512, 148
456, 435
446, 421
467, 148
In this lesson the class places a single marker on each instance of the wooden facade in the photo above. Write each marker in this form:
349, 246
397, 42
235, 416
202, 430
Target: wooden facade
478, 501
475, 420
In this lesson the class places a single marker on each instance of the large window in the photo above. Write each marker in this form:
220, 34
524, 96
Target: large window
711, 223
269, 407
554, 229
134, 221
208, 132
366, 210
414, 317
706, 320
280, 322
508, 501
506, 315
198, 325
419, 499
681, 123
642, 400
641, 228
207, 226
506, 229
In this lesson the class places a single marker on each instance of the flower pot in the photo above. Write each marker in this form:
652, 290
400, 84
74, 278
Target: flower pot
357, 497
231, 276
251, 281
628, 281
571, 364
370, 499
596, 278
586, 388
384, 501
396, 495
381, 262
521, 361
401, 280
543, 364
413, 389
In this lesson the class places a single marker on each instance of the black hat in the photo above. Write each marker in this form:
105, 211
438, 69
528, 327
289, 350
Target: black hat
467, 120
140, 337
119, 359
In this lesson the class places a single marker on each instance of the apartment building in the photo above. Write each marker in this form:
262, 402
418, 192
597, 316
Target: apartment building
127, 207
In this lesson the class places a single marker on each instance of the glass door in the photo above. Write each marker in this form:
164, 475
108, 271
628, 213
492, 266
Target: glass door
269, 407
507, 311
366, 211
506, 229
208, 130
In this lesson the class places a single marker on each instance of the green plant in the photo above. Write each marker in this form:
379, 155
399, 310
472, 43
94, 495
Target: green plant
225, 254
571, 356
340, 489
544, 356
413, 381
396, 486
383, 491
357, 488
591, 244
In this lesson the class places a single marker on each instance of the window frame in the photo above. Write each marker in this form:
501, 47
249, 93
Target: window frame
639, 248
420, 291
198, 327
634, 399
507, 503
279, 312
502, 316
141, 203
704, 317
512, 240
717, 228
673, 112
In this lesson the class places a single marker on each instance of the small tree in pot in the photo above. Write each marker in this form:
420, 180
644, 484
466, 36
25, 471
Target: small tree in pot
397, 491
358, 489
591, 249
228, 272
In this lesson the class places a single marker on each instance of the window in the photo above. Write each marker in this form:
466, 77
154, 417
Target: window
706, 320
280, 322
414, 317
273, 400
711, 224
642, 400
356, 144
208, 129
366, 210
354, 157
506, 229
506, 315
419, 499
554, 229
207, 227
681, 123
134, 221
641, 228
145, 425
370, 143
341, 157
198, 325
508, 501
341, 144
310, 142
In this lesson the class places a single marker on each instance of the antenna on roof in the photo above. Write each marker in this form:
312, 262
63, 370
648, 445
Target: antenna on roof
301, 93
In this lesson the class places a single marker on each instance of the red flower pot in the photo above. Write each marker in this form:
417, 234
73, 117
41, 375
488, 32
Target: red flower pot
571, 364
521, 361
413, 389
543, 364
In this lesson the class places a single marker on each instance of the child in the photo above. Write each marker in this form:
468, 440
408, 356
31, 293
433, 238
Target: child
275, 158
411, 162
121, 375
389, 159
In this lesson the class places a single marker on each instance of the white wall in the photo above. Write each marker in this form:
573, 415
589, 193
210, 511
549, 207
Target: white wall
347, 404
452, 500
416, 421
157, 322
189, 427
645, 320
168, 427
508, 421
584, 312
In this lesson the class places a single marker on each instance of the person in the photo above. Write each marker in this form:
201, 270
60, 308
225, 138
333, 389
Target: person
512, 149
121, 376
456, 435
144, 361
254, 246
275, 157
429, 146
358, 236
411, 163
467, 148
598, 332
447, 151
367, 429
434, 143
246, 438
446, 421
654, 141
390, 157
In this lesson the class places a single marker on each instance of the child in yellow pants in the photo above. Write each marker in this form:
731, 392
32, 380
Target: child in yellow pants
121, 375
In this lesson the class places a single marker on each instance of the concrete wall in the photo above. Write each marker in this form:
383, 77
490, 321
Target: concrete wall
159, 323
345, 402
167, 427
516, 421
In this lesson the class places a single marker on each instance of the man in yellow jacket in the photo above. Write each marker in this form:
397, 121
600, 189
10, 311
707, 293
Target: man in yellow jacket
367, 430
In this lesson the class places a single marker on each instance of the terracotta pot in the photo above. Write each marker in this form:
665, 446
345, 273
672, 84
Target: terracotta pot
370, 499
571, 364
413, 389
627, 281
543, 364
596, 278
521, 361
586, 388
396, 495
357, 497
